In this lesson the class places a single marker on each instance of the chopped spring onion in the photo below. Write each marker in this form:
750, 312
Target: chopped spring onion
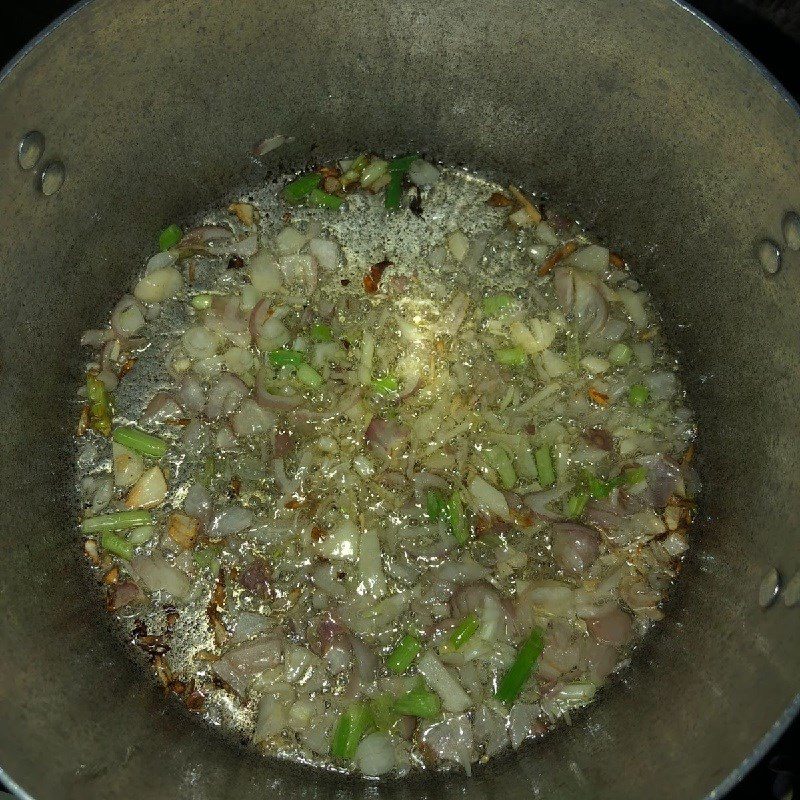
322, 333
520, 670
419, 703
119, 521
316, 197
99, 405
620, 354
386, 385
116, 545
286, 358
299, 189
498, 459
464, 631
403, 655
397, 170
402, 163
140, 442
350, 728
169, 237
575, 504
309, 376
383, 714
638, 395
635, 475
355, 170
394, 190
598, 489
512, 356
435, 504
201, 301
459, 526
544, 467
495, 303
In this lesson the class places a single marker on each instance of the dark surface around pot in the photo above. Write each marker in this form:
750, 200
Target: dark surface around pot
717, 627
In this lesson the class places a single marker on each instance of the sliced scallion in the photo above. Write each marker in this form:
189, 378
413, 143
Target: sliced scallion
498, 459
350, 728
638, 395
464, 631
169, 237
495, 303
117, 545
403, 654
544, 467
459, 526
512, 683
419, 703
286, 358
512, 356
118, 521
299, 189
316, 197
139, 441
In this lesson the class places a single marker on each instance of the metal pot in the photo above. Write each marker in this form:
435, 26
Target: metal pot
663, 135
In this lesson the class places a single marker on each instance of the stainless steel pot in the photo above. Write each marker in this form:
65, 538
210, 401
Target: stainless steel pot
663, 134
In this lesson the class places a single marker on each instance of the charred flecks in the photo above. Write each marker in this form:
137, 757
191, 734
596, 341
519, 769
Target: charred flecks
372, 279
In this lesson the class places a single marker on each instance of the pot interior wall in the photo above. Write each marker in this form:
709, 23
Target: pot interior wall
662, 137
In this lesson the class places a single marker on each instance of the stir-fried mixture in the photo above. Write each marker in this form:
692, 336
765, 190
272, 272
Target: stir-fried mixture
386, 467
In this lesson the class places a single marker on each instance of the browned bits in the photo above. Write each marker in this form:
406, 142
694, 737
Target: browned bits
286, 218
193, 697
112, 576
345, 281
294, 504
162, 670
557, 255
499, 200
183, 530
171, 618
235, 262
616, 261
330, 172
214, 610
688, 456
317, 533
234, 487
522, 519
530, 209
126, 367
598, 397
191, 271
373, 278
600, 439
647, 335
152, 645
83, 422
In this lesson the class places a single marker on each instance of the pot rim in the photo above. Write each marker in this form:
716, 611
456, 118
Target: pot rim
777, 729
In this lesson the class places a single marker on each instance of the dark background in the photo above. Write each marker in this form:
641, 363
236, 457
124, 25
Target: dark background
770, 29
